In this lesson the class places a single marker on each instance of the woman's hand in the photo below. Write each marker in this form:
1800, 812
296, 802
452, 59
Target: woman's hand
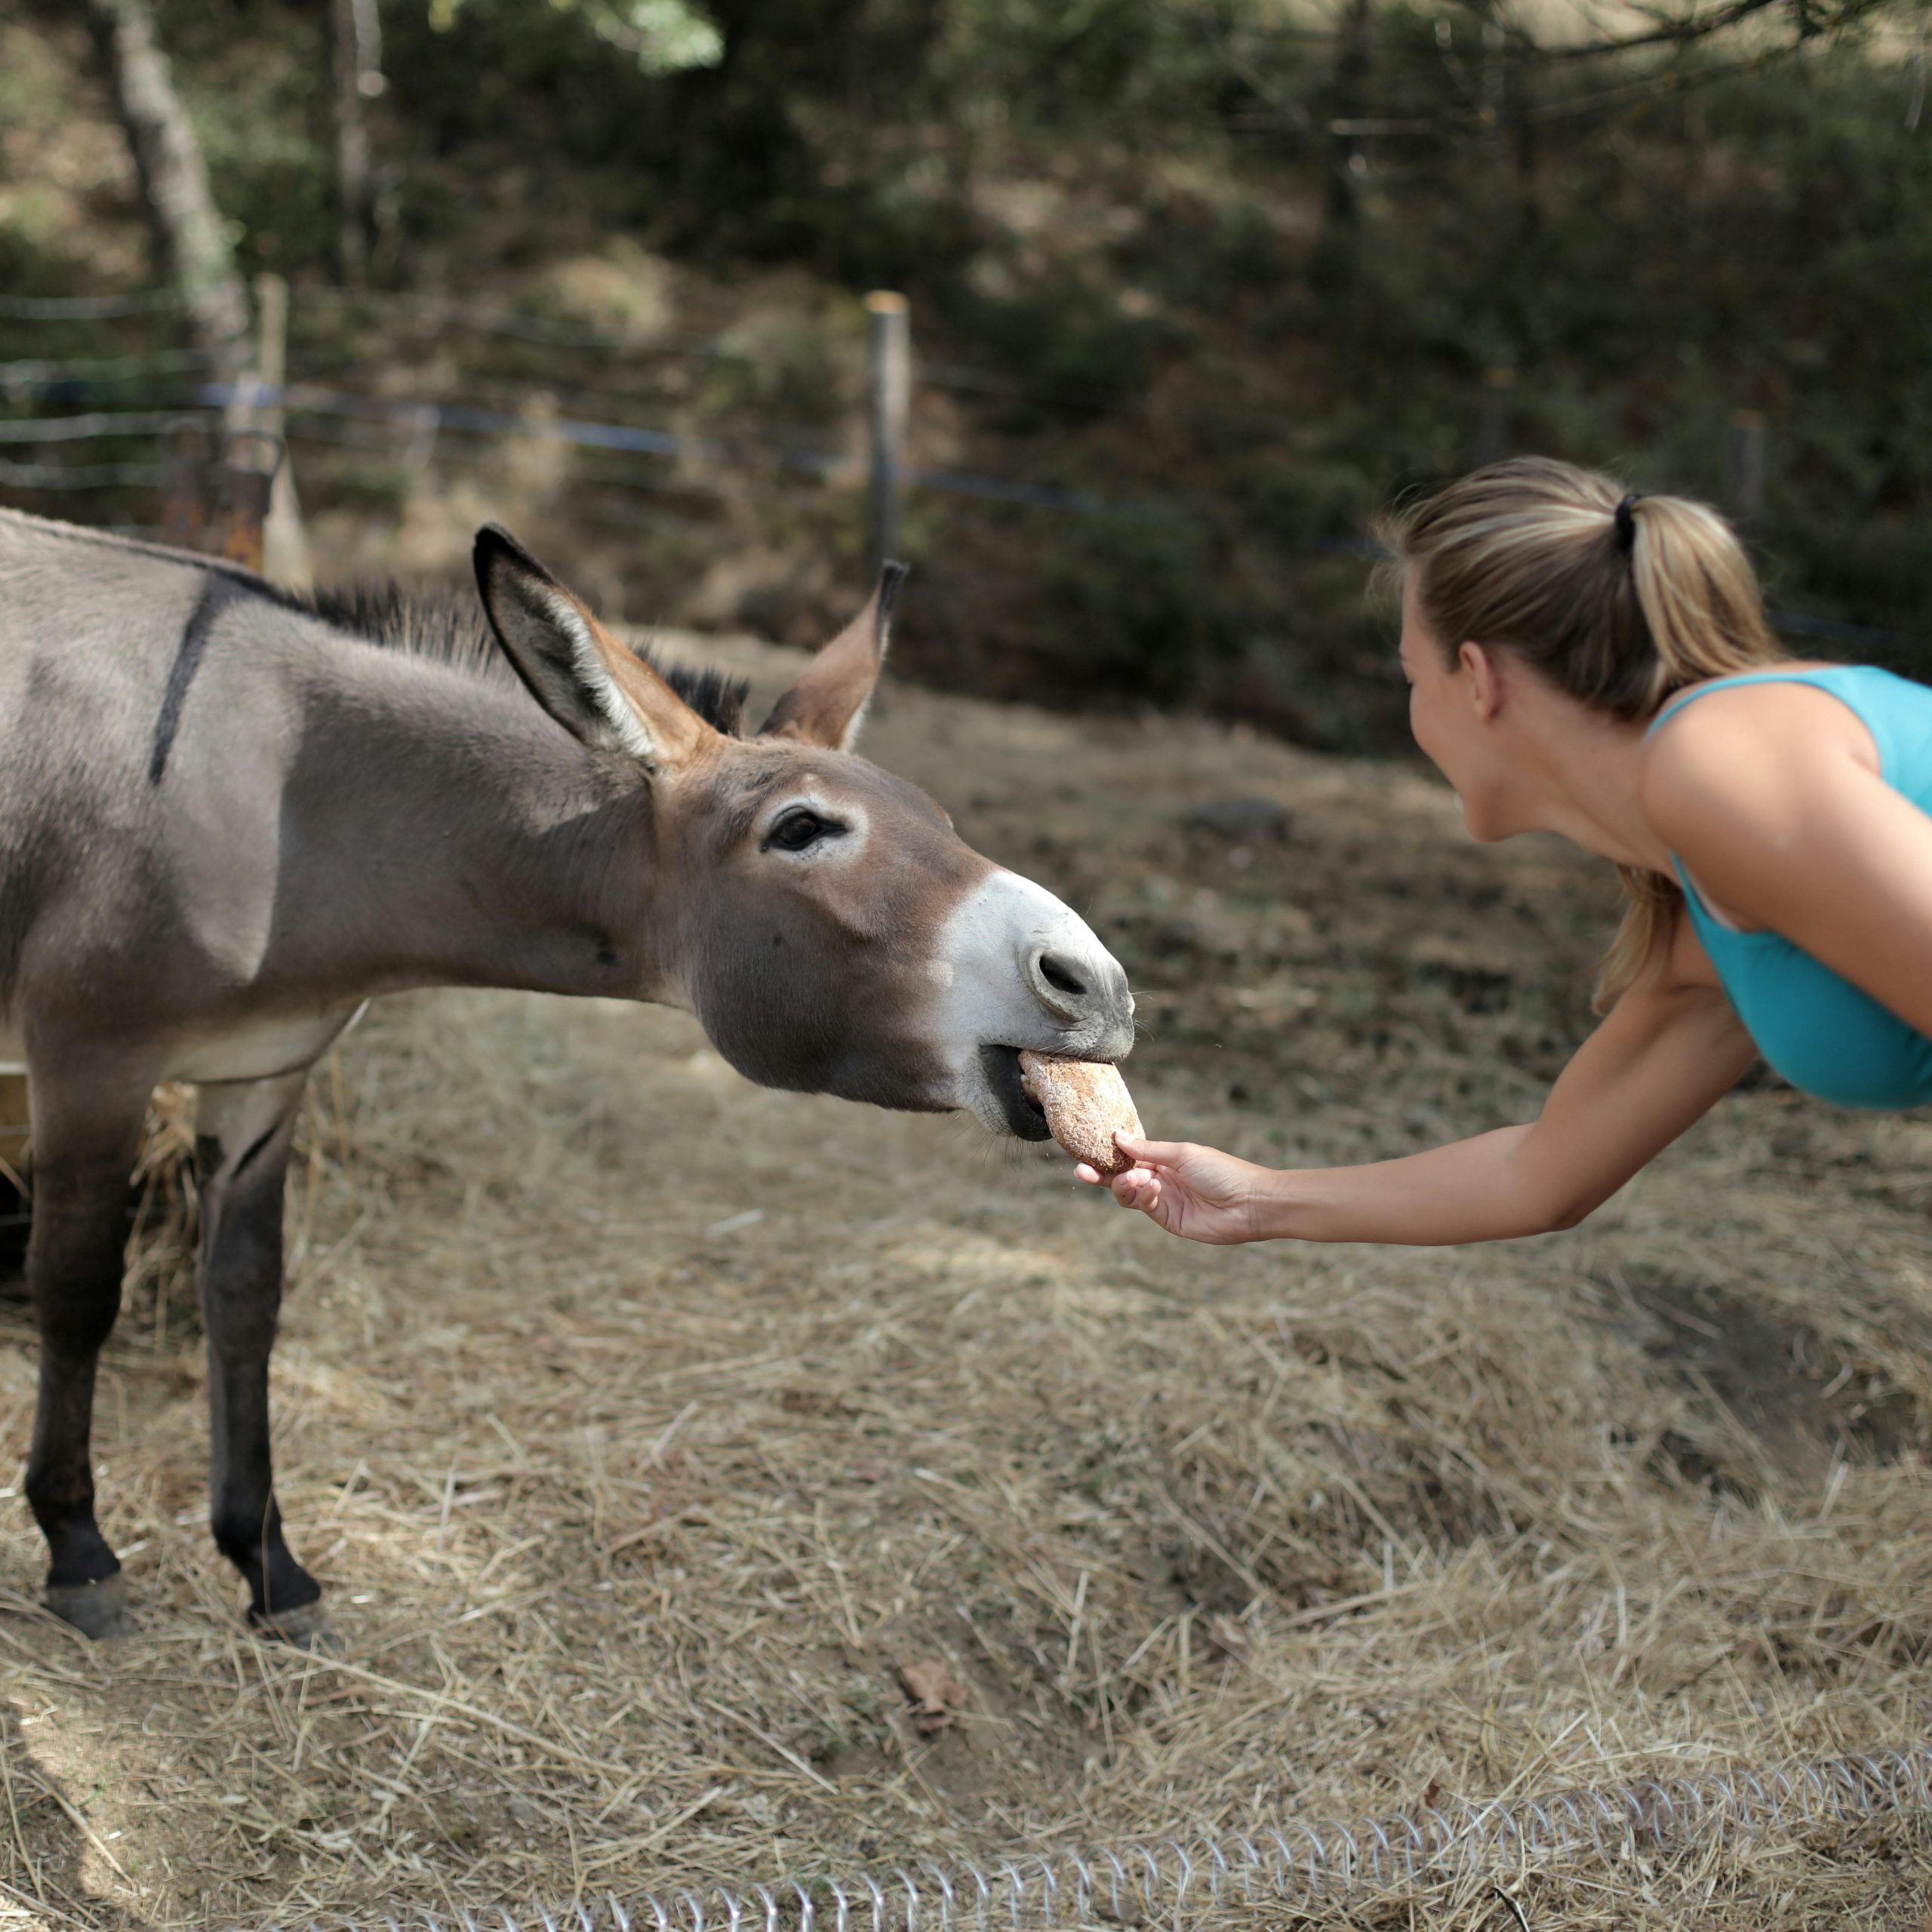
1198, 1193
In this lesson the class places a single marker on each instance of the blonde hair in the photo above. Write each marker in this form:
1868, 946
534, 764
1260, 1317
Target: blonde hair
1620, 601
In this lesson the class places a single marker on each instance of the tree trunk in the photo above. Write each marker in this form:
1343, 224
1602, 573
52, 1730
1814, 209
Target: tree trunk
356, 38
174, 183
1334, 270
1495, 89
1347, 121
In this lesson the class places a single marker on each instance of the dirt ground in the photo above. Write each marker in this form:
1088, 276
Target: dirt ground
643, 1425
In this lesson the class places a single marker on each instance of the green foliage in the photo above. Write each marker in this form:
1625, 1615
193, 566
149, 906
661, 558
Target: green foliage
1161, 275
662, 36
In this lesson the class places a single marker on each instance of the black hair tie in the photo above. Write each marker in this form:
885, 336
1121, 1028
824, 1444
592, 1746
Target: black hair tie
1627, 521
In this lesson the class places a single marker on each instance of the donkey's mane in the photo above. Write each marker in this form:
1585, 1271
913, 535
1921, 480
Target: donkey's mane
448, 626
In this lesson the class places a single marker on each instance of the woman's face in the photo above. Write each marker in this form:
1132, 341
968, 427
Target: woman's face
1452, 719
1439, 709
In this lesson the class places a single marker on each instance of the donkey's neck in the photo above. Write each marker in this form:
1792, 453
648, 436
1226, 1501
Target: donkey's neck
451, 834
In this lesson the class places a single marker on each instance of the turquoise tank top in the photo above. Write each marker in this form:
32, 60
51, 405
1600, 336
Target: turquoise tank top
1813, 1025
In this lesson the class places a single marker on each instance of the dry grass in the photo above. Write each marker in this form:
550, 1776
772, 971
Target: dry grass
643, 1424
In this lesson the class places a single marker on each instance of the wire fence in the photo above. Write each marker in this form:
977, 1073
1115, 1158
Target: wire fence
1251, 1879
129, 398
23, 379
89, 308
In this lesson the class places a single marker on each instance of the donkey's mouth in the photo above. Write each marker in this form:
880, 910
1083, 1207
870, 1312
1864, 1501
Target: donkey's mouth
1021, 1114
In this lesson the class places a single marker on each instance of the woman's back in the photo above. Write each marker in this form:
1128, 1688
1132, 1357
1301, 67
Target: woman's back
1816, 1028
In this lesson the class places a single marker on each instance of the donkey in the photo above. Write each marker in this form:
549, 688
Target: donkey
229, 816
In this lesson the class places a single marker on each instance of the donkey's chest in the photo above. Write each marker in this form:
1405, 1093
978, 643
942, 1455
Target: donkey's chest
257, 1049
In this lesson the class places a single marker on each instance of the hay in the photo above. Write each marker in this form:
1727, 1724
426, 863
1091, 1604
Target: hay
645, 1426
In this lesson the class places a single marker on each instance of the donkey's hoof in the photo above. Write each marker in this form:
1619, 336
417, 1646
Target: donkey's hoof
97, 1610
307, 1627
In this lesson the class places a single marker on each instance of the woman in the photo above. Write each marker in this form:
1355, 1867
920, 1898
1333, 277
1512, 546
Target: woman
1596, 664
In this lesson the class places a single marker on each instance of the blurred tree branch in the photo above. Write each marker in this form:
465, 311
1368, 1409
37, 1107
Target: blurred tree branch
1816, 17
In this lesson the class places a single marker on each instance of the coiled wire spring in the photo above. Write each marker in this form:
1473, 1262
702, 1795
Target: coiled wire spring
1173, 1881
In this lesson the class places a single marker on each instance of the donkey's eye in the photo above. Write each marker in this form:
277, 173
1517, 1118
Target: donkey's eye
800, 829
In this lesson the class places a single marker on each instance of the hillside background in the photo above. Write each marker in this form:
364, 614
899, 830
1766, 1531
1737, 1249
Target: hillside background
1196, 288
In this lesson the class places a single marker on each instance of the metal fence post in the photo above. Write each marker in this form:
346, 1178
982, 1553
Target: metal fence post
891, 397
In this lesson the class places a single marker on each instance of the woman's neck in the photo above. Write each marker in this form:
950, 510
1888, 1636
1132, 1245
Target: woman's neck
1581, 775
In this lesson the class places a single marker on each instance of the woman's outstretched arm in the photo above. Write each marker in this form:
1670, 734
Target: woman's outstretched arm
1669, 1051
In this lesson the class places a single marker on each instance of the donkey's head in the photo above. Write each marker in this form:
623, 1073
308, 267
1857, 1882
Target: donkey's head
824, 920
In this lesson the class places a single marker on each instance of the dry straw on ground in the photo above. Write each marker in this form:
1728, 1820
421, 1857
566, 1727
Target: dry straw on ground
645, 1427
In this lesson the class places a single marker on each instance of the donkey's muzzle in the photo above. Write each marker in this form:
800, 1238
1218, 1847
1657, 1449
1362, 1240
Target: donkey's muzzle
1017, 968
1083, 988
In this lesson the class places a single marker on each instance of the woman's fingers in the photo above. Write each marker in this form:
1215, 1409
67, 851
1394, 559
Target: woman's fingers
1135, 1188
1153, 1153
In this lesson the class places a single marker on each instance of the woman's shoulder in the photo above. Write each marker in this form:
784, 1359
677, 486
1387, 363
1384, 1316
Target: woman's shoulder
1801, 706
1751, 741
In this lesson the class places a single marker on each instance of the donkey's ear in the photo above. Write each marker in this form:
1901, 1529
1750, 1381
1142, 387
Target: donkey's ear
575, 669
827, 703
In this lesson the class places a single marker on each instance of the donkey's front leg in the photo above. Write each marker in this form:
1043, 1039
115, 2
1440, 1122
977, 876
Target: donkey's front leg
242, 1132
86, 1133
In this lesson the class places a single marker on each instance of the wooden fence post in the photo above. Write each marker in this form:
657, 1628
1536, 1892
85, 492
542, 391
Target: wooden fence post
245, 489
891, 398
284, 543
1744, 466
185, 456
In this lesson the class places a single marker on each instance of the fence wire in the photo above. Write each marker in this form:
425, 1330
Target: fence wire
805, 454
1239, 1877
88, 308
308, 399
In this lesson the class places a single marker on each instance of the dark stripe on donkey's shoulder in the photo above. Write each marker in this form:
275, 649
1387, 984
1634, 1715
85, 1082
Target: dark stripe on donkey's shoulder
219, 590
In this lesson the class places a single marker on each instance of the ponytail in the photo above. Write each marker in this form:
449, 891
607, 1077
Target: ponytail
1620, 601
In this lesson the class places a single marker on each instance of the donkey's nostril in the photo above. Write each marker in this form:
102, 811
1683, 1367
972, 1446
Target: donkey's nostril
1061, 977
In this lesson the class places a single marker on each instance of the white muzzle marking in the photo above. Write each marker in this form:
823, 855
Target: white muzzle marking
1015, 967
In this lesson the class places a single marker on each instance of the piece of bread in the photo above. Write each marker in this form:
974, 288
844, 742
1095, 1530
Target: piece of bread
1085, 1101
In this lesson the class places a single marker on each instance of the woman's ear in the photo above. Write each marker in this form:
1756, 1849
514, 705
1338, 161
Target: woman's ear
1482, 669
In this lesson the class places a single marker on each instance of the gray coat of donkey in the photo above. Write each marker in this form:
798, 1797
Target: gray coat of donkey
228, 816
